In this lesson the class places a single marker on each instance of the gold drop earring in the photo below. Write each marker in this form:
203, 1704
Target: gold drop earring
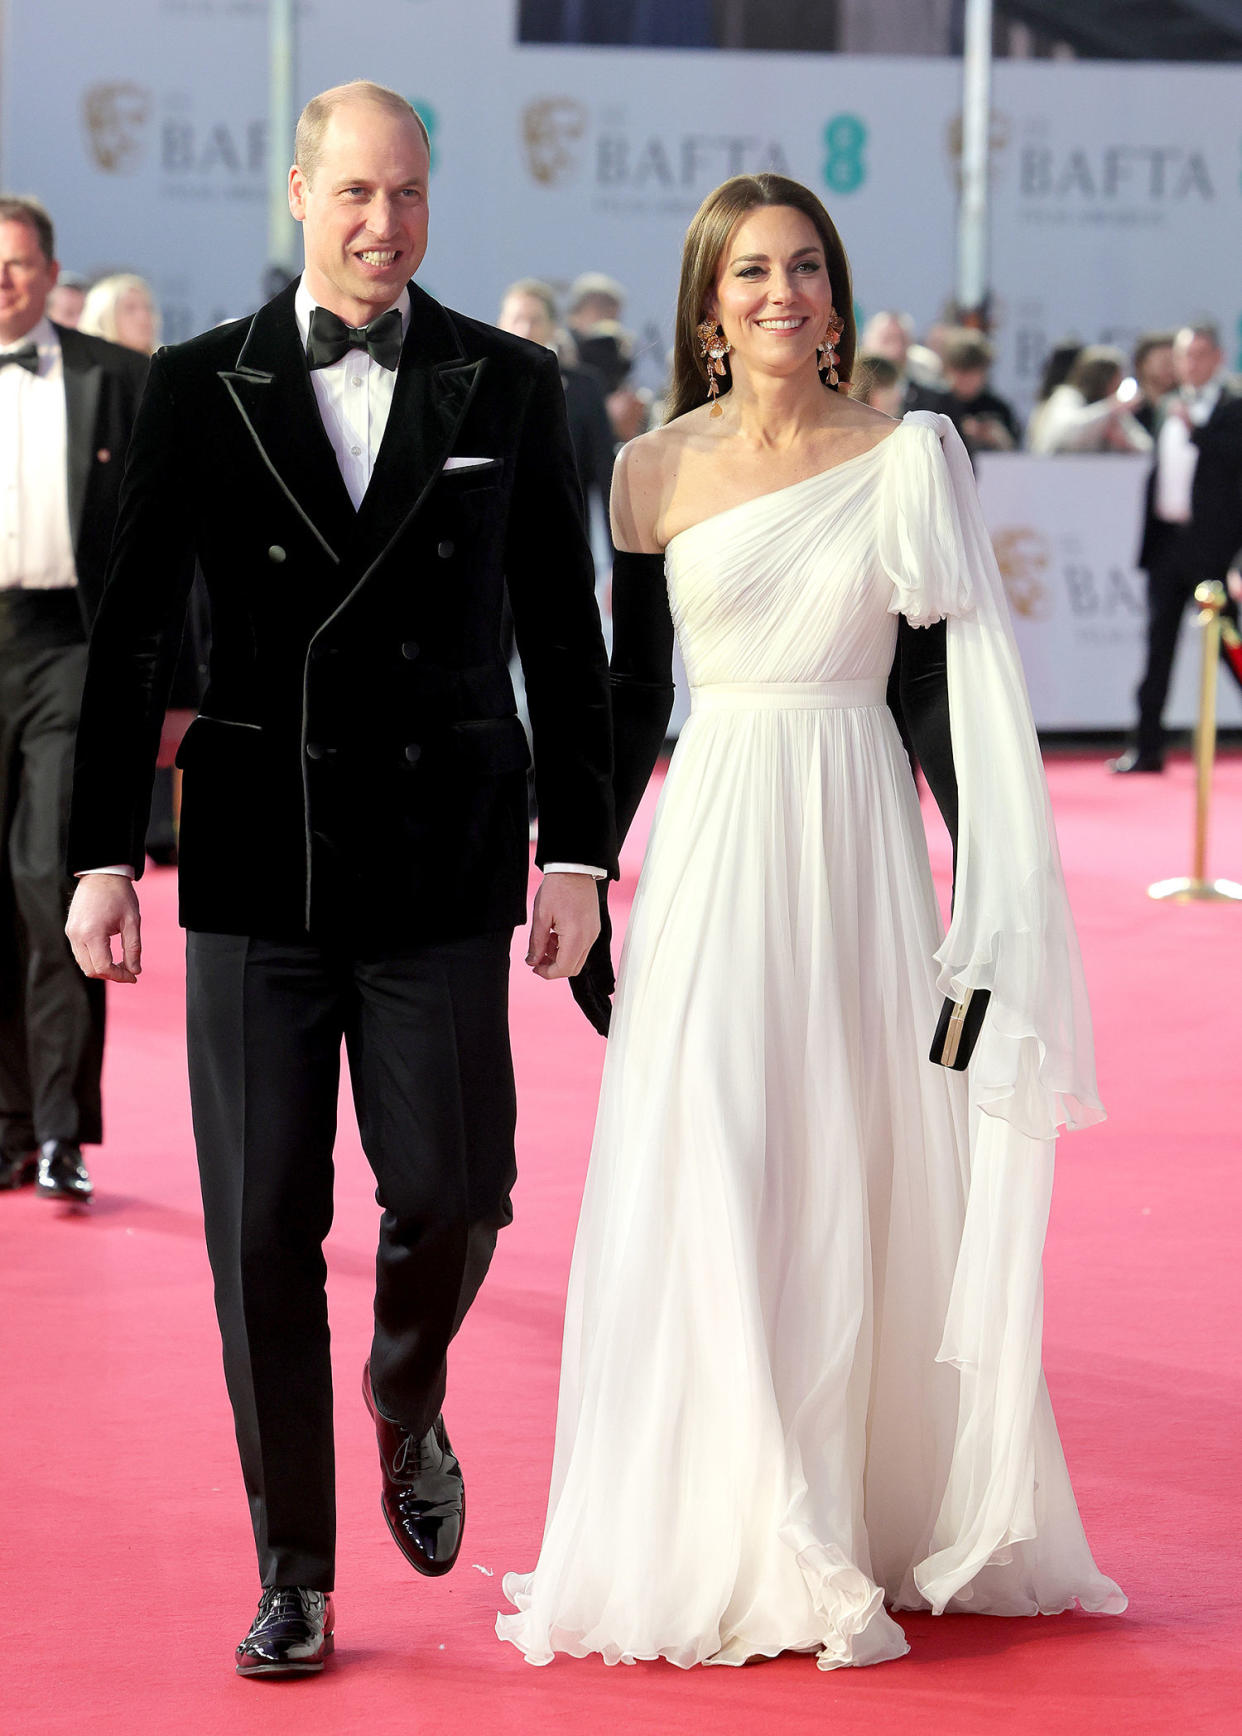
827, 348
713, 347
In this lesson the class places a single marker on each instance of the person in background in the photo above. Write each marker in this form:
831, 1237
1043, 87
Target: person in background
528, 310
594, 299
984, 420
67, 405
606, 349
1153, 374
1085, 413
1192, 521
890, 334
877, 381
64, 304
1056, 370
122, 309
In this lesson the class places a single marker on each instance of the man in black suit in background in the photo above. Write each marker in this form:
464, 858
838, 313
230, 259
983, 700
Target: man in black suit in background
67, 405
528, 310
1191, 519
362, 475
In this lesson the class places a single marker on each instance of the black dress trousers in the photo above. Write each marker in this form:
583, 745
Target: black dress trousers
51, 1017
1172, 575
426, 1032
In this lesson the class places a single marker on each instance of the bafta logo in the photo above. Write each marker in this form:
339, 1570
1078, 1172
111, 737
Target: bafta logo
551, 129
1023, 556
998, 143
115, 117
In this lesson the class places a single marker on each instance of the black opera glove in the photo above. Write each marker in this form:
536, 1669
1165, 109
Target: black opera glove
595, 982
641, 686
922, 694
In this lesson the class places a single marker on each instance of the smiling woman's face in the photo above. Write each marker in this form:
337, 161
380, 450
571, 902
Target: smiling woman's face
772, 295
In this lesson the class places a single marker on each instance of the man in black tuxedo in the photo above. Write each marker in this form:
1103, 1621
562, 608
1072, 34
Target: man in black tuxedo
362, 474
1191, 522
67, 405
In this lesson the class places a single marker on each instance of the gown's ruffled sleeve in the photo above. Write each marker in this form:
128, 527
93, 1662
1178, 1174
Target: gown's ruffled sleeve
1011, 931
1033, 1068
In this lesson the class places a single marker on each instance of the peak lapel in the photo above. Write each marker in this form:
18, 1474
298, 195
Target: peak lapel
435, 384
83, 378
271, 391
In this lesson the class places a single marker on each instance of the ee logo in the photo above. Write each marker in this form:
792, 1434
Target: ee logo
845, 168
430, 120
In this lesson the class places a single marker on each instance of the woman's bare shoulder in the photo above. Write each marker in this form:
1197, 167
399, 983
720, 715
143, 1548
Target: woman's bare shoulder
641, 480
855, 414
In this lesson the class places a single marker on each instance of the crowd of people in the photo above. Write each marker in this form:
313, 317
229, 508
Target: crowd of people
1091, 397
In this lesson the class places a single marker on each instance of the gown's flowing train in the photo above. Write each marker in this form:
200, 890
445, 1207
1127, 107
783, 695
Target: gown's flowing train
801, 1374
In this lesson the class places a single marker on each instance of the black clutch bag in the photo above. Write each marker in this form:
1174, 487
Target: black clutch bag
957, 1029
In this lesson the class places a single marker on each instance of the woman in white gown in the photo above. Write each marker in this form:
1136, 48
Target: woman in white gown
801, 1374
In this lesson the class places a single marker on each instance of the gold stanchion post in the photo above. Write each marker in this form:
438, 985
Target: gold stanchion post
1197, 887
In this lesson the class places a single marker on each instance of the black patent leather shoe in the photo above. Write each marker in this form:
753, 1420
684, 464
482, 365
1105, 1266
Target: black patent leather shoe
291, 1634
17, 1171
1132, 760
423, 1498
62, 1174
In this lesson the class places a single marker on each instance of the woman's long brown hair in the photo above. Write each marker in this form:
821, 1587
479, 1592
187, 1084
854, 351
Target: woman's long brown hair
706, 240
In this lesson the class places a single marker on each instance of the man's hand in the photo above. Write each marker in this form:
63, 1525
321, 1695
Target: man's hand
104, 905
563, 926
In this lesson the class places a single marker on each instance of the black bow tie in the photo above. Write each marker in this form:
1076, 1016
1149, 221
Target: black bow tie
27, 357
330, 339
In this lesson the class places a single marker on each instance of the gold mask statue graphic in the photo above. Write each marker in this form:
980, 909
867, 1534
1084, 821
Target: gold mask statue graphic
115, 117
1023, 555
551, 127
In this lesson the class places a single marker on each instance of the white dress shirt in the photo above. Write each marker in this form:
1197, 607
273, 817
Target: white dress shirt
354, 396
36, 545
1177, 455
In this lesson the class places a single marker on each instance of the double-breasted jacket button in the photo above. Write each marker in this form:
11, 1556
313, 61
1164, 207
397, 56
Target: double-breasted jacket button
276, 553
315, 750
410, 650
413, 753
446, 549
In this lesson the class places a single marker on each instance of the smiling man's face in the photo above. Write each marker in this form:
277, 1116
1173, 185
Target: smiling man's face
363, 210
26, 280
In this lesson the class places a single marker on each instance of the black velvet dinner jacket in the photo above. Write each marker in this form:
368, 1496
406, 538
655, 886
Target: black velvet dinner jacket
1215, 528
1216, 497
358, 766
103, 384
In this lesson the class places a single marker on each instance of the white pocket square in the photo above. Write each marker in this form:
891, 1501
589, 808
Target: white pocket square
466, 463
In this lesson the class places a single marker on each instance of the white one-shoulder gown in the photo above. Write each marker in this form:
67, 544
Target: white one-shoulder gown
801, 1374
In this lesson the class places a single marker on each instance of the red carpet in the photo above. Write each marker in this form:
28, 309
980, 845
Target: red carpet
126, 1560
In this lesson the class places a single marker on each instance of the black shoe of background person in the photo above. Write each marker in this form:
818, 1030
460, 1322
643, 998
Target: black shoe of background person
1135, 760
423, 1498
291, 1634
18, 1171
62, 1174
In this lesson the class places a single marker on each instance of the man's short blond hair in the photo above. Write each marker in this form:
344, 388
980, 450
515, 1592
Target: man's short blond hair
314, 118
